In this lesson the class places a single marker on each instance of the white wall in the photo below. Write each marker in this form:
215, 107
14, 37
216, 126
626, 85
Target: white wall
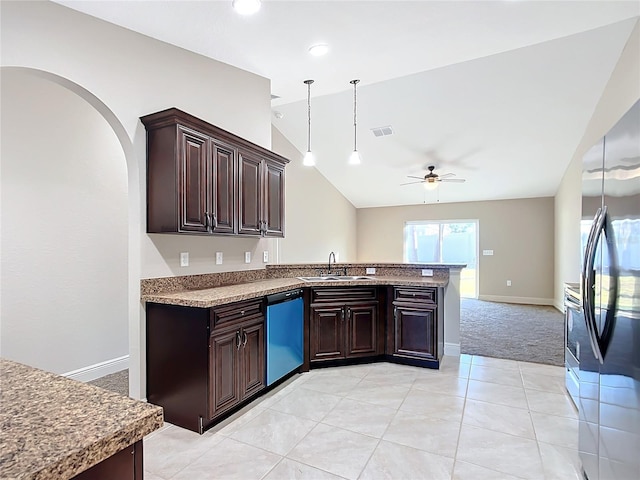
64, 229
621, 92
319, 219
520, 232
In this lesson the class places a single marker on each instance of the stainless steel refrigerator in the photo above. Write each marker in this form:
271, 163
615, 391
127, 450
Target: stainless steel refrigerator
609, 365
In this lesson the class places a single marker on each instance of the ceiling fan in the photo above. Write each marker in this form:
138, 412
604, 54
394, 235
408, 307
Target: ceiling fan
431, 180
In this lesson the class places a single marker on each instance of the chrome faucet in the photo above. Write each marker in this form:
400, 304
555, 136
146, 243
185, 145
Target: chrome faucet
334, 261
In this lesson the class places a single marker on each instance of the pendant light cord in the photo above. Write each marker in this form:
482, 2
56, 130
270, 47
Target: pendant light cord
308, 82
355, 110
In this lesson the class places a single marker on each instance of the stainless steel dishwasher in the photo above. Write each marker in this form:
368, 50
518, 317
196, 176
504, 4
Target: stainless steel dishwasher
284, 333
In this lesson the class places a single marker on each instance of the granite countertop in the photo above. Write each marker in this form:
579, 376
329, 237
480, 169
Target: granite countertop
55, 427
210, 297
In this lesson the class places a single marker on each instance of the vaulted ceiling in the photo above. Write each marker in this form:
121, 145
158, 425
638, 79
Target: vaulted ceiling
496, 92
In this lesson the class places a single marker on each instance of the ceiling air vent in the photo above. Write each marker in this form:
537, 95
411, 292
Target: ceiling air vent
382, 131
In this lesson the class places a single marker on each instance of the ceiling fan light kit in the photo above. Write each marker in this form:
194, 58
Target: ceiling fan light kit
309, 159
430, 184
355, 158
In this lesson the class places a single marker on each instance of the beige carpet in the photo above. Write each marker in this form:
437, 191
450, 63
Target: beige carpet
529, 333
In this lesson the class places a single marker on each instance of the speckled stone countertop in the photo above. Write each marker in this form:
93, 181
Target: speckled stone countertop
55, 427
210, 297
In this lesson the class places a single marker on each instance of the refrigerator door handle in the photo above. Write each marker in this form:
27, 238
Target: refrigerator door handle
588, 282
604, 339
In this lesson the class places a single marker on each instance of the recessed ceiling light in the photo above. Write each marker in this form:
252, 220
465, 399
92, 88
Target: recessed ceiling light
319, 49
246, 7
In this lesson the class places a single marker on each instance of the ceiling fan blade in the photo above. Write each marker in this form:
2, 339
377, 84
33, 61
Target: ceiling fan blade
453, 180
411, 183
411, 176
446, 175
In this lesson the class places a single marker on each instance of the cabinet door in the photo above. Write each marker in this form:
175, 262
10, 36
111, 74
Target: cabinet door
362, 324
223, 180
224, 388
326, 337
274, 200
250, 195
252, 362
193, 179
414, 332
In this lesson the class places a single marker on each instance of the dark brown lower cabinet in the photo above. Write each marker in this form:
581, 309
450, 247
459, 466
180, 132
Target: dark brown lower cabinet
344, 324
204, 362
415, 327
123, 465
238, 365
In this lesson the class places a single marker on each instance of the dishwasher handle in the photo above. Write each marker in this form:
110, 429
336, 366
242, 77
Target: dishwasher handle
284, 296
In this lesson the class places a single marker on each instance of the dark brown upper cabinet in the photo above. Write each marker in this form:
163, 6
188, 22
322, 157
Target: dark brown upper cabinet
202, 179
261, 196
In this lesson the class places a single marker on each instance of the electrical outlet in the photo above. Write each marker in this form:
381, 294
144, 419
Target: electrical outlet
508, 283
371, 271
184, 259
218, 258
247, 257
265, 256
427, 272
487, 252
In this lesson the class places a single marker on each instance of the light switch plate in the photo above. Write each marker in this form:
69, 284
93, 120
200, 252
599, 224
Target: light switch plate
427, 272
184, 259
218, 258
247, 257
487, 252
371, 271
265, 256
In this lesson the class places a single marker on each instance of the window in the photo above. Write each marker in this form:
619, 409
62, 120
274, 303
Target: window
450, 241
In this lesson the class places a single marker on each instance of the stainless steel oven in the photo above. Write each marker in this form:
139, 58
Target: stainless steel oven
575, 333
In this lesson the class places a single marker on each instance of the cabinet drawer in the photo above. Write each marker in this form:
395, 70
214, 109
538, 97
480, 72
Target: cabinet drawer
342, 294
415, 294
226, 314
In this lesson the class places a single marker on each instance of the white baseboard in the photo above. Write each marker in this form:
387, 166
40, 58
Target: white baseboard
521, 300
452, 349
86, 374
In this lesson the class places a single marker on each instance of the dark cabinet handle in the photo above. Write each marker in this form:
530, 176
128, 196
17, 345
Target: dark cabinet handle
210, 222
239, 342
348, 313
342, 314
246, 337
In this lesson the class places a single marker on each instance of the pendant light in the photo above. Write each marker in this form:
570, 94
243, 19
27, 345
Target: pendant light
355, 159
309, 160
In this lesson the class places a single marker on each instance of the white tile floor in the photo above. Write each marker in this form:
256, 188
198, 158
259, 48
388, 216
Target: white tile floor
475, 418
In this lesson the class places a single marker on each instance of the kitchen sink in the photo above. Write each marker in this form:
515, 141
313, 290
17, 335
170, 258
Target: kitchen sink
339, 278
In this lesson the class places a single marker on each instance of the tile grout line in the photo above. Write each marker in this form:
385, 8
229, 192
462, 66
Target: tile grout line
464, 407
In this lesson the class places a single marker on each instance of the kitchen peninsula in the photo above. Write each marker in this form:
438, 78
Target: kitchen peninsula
55, 427
208, 335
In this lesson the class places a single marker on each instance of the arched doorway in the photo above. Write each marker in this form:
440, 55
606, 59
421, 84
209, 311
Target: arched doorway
70, 256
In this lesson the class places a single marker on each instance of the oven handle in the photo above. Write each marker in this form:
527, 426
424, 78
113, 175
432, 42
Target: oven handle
569, 302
